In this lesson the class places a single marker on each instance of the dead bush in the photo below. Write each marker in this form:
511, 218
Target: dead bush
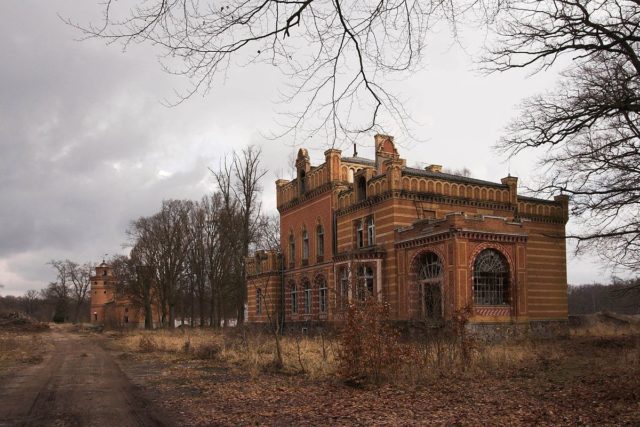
147, 344
208, 351
370, 350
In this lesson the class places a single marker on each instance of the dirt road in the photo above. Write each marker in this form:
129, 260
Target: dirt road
77, 384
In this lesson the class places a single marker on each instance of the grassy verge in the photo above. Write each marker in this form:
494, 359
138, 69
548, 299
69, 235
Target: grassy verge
21, 348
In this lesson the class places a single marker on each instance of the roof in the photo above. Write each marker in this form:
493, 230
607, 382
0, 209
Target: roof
450, 177
423, 172
360, 160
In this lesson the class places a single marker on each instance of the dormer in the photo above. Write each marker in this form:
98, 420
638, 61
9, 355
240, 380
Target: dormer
303, 166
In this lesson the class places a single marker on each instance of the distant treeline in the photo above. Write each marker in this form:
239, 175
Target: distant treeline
622, 296
42, 306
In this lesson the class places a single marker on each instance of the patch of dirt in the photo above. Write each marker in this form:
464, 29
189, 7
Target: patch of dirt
78, 383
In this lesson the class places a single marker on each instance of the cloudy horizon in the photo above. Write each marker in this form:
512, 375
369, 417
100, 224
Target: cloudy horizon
87, 144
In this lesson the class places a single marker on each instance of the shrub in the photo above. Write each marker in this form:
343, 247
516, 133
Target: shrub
208, 351
147, 344
370, 350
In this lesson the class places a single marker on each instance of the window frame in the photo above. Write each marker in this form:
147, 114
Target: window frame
365, 282
344, 287
491, 288
307, 296
320, 242
359, 234
292, 250
430, 279
305, 247
294, 298
322, 295
258, 301
371, 231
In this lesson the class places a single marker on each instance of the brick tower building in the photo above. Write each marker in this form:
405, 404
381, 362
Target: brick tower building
108, 307
427, 242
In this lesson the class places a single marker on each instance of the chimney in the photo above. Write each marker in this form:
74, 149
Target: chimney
434, 168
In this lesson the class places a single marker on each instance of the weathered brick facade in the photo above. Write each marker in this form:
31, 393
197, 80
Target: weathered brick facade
427, 242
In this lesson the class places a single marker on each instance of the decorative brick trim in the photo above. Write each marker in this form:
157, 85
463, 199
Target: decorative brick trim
492, 311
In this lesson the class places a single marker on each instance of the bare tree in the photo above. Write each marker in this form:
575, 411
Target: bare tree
30, 300
162, 242
59, 291
135, 280
336, 55
589, 125
80, 278
238, 220
197, 258
73, 283
268, 233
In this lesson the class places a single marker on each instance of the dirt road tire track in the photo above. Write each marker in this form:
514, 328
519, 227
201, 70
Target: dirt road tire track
77, 384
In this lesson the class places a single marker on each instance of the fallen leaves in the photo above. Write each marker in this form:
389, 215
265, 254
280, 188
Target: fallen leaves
583, 386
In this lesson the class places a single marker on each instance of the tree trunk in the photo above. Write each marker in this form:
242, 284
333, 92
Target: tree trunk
172, 316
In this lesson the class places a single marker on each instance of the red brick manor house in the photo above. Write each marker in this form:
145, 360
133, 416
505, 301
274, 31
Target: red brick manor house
427, 242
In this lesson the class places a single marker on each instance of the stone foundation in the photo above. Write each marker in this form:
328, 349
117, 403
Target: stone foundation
536, 329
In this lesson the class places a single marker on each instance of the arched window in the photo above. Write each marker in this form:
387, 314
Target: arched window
430, 276
320, 242
292, 250
305, 247
322, 294
294, 298
490, 278
364, 285
361, 189
371, 231
306, 287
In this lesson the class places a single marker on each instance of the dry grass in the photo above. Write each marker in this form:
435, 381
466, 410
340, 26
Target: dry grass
254, 352
607, 325
421, 361
20, 348
581, 380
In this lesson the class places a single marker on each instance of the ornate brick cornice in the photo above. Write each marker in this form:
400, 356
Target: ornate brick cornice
425, 197
425, 240
309, 195
539, 218
480, 235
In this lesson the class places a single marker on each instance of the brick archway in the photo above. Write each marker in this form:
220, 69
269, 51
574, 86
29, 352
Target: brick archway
416, 288
491, 310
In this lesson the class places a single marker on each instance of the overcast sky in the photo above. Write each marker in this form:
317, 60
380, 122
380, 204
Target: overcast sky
87, 146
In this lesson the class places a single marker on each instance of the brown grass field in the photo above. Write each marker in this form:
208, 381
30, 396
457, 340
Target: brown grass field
208, 377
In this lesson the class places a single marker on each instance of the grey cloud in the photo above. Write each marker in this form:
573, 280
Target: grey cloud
83, 136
